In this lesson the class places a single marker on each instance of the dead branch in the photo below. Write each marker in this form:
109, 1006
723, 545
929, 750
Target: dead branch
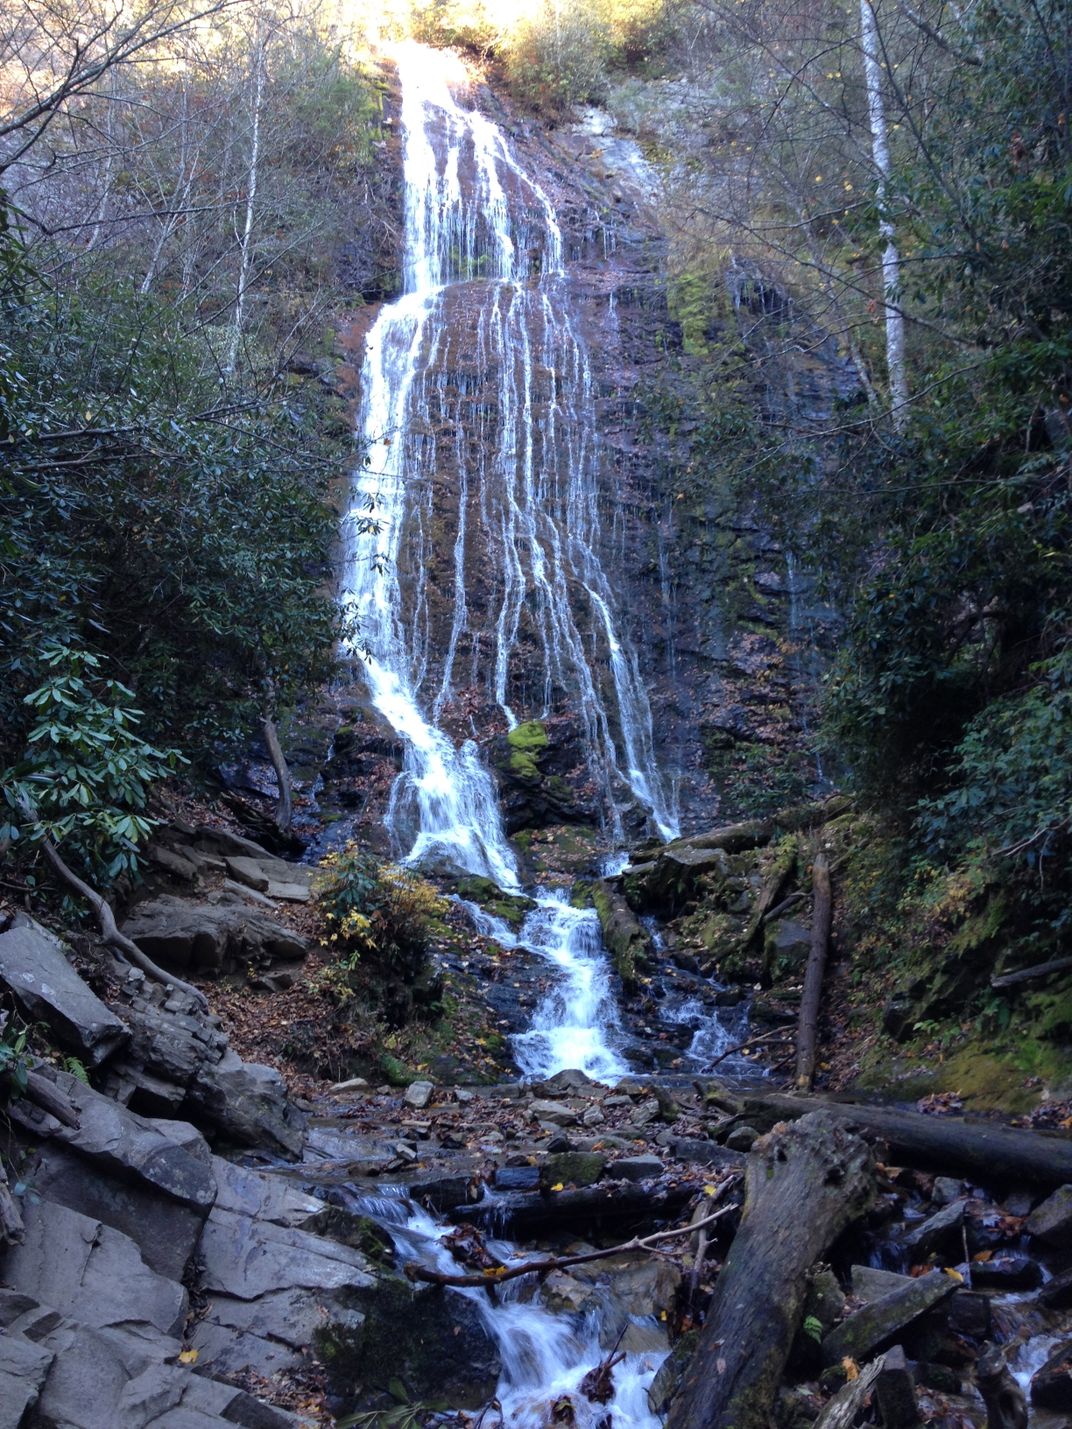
489, 1278
775, 1032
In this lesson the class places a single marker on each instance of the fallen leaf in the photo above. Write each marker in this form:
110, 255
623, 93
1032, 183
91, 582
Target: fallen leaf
851, 1368
188, 1357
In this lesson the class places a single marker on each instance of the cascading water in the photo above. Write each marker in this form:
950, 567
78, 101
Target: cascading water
477, 387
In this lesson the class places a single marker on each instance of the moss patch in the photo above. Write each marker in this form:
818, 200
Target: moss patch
527, 742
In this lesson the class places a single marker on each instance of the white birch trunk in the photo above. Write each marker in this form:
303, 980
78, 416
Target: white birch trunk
245, 242
891, 258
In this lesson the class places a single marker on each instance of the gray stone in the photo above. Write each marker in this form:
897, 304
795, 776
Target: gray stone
1051, 1388
261, 873
260, 1196
553, 1112
418, 1094
593, 1117
215, 933
940, 1230
881, 1321
1006, 1272
169, 1157
121, 1377
247, 1104
741, 1138
165, 1231
570, 1079
23, 1366
870, 1283
33, 965
88, 1271
647, 1112
636, 1168
1051, 1222
1056, 1294
946, 1189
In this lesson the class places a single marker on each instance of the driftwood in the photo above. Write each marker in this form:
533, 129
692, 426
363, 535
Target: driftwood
109, 929
804, 1184
284, 809
1056, 965
953, 1145
808, 1025
497, 1274
842, 1410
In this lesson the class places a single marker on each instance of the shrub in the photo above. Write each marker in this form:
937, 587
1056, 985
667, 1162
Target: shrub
376, 912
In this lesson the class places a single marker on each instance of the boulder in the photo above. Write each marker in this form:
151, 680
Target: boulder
416, 1343
34, 968
1006, 1272
84, 1269
179, 1063
77, 1376
880, 1322
271, 1286
555, 1113
636, 1168
217, 933
576, 1168
1051, 1222
941, 1230
870, 1283
1051, 1388
418, 1094
291, 882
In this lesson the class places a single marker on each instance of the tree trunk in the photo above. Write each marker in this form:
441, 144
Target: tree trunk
948, 1144
284, 811
804, 1184
891, 258
245, 242
807, 1028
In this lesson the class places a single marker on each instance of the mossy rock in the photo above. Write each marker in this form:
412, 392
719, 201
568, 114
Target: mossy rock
358, 1232
572, 1168
512, 908
527, 742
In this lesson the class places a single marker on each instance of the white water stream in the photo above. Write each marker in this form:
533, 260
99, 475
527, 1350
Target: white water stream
544, 1355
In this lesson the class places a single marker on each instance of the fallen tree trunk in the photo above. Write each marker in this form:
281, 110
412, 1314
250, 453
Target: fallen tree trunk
1056, 965
808, 1025
804, 1184
521, 1215
284, 810
986, 1150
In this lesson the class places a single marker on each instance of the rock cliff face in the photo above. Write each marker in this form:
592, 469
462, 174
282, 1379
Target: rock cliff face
710, 604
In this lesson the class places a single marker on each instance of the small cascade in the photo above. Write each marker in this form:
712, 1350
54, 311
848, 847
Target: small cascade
544, 1355
483, 571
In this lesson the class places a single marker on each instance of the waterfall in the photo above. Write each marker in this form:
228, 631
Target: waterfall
478, 423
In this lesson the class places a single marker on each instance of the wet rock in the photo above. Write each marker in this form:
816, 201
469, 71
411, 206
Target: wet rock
1056, 1294
675, 877
1051, 1388
937, 1232
1006, 1272
637, 1168
427, 1344
1051, 1222
23, 1367
576, 1168
571, 1079
881, 1321
627, 940
35, 970
418, 1094
671, 1373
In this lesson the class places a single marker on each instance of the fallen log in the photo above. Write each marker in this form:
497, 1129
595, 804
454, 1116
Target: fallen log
520, 1215
1006, 1407
953, 1145
1055, 965
808, 1025
842, 1410
804, 1184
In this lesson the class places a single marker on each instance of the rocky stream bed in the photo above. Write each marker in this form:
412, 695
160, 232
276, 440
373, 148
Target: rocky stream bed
195, 1248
